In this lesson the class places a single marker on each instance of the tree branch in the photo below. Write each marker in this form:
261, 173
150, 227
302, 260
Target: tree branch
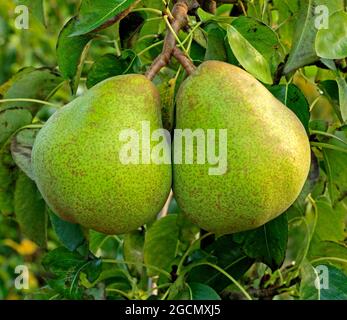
180, 20
186, 63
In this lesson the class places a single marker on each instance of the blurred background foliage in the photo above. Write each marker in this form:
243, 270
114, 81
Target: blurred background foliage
312, 232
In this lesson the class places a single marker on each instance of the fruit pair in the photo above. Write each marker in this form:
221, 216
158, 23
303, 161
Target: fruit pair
79, 173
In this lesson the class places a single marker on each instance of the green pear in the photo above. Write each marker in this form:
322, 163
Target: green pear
77, 164
267, 151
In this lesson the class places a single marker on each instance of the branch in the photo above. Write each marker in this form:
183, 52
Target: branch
180, 20
118, 17
209, 5
186, 63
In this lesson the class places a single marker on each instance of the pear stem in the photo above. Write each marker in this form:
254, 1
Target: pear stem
185, 61
179, 21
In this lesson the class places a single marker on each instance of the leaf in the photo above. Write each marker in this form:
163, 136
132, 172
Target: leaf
328, 251
266, 244
10, 121
201, 291
160, 244
93, 14
336, 169
294, 99
262, 38
331, 221
309, 286
342, 84
180, 290
226, 254
248, 56
331, 43
303, 51
110, 65
70, 234
215, 44
330, 89
133, 251
8, 175
21, 147
31, 83
71, 52
93, 270
333, 283
35, 8
62, 262
30, 210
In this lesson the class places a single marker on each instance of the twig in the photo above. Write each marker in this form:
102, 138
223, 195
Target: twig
209, 5
180, 19
186, 63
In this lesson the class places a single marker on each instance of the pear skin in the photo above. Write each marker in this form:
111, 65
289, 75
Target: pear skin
77, 165
268, 151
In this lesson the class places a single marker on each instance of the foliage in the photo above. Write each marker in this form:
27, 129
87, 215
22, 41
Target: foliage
68, 49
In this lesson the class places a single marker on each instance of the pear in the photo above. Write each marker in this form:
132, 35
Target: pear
76, 158
267, 155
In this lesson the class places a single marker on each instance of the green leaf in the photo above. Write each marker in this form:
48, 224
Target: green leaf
161, 243
226, 254
10, 121
93, 270
249, 57
268, 243
30, 210
303, 51
336, 169
215, 44
93, 14
8, 175
262, 38
35, 8
201, 291
331, 43
295, 100
180, 290
342, 84
326, 251
70, 234
333, 284
31, 83
110, 65
105, 67
21, 147
330, 89
133, 251
331, 221
71, 53
309, 286
62, 262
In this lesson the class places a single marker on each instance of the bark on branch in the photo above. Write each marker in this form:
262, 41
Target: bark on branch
180, 20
